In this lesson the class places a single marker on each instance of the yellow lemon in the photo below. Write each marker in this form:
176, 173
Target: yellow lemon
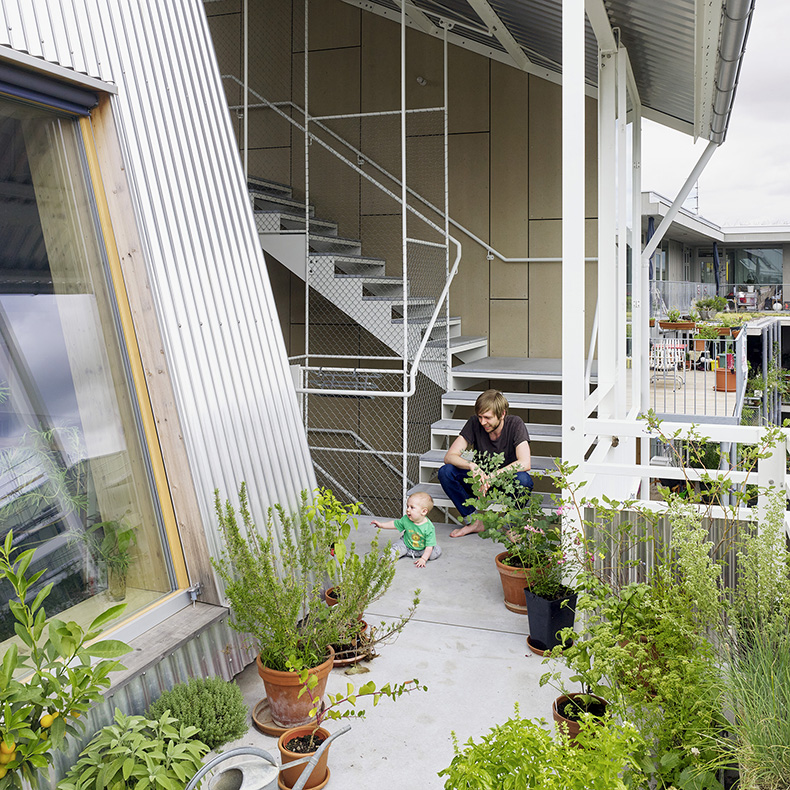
3, 771
6, 748
46, 720
6, 758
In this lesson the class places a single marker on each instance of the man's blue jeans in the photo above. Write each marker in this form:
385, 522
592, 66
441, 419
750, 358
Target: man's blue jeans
454, 483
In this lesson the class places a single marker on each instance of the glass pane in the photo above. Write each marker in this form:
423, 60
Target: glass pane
75, 482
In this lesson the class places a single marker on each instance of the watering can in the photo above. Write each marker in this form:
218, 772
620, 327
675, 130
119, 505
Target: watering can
259, 771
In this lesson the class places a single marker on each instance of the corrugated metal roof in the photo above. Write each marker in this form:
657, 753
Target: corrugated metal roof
674, 56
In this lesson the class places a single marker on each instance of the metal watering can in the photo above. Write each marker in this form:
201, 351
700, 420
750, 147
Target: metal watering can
258, 773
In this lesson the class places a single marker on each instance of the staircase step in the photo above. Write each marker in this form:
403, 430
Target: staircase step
537, 432
419, 307
322, 242
265, 185
455, 320
275, 220
265, 200
440, 499
462, 343
517, 400
433, 459
350, 265
377, 286
515, 369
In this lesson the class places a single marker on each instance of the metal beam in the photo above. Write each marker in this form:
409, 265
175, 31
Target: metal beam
599, 22
499, 30
418, 17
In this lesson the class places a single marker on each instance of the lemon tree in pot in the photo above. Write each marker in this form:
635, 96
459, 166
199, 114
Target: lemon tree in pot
273, 582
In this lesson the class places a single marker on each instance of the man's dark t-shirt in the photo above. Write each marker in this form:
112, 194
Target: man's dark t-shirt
513, 433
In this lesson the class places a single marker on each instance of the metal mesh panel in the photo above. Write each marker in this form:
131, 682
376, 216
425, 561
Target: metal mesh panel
369, 293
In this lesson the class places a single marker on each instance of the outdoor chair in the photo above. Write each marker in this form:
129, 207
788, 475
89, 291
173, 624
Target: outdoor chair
668, 361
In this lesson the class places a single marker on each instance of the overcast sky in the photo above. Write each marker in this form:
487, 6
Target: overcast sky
747, 182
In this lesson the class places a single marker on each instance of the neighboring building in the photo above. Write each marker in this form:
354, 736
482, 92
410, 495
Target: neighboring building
145, 341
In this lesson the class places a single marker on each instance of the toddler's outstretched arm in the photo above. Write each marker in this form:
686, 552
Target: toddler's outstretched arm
383, 524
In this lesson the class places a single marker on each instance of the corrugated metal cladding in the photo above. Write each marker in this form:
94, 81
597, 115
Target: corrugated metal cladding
70, 34
660, 38
222, 335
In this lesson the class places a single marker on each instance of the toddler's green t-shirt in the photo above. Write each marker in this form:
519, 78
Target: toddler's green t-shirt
416, 536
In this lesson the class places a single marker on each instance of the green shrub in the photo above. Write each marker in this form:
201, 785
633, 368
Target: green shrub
213, 705
140, 754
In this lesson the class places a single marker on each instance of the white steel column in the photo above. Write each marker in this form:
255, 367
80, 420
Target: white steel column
607, 229
405, 250
622, 235
651, 246
573, 188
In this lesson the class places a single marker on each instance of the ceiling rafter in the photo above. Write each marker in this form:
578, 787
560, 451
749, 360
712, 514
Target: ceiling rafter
419, 18
499, 30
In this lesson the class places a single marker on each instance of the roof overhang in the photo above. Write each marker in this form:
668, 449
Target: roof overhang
685, 54
694, 230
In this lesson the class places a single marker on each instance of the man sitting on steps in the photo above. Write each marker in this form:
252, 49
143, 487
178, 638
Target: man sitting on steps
492, 430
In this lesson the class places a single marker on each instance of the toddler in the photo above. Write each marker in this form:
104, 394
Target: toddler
418, 537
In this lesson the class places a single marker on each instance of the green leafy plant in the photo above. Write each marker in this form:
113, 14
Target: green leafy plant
136, 753
213, 705
707, 331
51, 680
522, 753
327, 707
673, 316
274, 583
715, 303
512, 516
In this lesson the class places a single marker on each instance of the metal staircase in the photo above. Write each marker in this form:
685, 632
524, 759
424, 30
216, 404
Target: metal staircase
353, 282
543, 379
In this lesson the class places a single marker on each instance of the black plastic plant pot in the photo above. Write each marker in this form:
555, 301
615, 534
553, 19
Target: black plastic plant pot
547, 618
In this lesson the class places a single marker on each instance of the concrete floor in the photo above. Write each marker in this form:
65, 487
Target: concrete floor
463, 644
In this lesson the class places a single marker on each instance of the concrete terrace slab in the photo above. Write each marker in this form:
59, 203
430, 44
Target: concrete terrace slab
463, 644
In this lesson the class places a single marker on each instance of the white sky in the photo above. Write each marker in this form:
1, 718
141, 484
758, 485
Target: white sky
747, 182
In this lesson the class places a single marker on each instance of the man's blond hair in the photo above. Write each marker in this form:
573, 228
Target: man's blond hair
423, 498
491, 400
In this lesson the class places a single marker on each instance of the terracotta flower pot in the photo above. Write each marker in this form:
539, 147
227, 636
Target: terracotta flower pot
513, 582
559, 705
330, 596
282, 691
289, 776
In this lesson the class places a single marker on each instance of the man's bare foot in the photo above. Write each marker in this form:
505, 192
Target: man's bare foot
468, 529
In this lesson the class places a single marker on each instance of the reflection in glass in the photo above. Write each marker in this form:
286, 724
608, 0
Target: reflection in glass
74, 479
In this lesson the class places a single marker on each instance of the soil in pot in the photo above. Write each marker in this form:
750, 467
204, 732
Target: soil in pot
570, 709
295, 744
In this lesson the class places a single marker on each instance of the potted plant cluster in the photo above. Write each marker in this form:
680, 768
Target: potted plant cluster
665, 642
675, 320
523, 753
514, 517
273, 581
710, 306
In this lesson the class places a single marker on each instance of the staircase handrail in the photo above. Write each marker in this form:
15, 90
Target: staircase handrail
276, 105
439, 302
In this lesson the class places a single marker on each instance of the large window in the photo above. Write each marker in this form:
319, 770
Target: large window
758, 266
75, 482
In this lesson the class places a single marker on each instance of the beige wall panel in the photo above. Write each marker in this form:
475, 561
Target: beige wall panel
545, 287
332, 24
226, 34
266, 130
380, 140
469, 202
509, 179
270, 49
223, 7
509, 335
296, 340
381, 238
545, 149
591, 158
334, 81
380, 64
469, 91
271, 163
425, 173
280, 279
424, 58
